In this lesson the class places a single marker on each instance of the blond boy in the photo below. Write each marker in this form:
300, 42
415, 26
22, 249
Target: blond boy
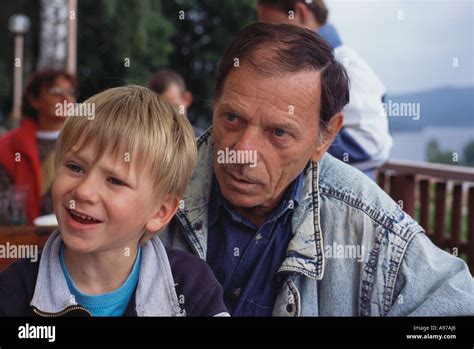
120, 177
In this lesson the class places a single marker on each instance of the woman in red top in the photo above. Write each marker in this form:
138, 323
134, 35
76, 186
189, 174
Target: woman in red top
27, 152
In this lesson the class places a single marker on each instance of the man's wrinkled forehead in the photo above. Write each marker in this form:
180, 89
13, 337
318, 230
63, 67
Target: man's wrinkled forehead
297, 93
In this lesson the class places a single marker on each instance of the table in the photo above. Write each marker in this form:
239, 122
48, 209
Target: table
25, 238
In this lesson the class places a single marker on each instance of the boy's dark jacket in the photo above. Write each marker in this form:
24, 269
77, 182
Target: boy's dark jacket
195, 284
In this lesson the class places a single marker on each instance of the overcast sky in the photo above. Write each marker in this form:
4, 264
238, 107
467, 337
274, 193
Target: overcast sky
416, 51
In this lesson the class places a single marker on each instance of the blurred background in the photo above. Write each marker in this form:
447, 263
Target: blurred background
150, 33
423, 53
421, 50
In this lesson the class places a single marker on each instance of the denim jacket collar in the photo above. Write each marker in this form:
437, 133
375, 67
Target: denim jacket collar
305, 250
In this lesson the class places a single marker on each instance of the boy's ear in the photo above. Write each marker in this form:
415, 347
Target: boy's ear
163, 214
335, 124
188, 99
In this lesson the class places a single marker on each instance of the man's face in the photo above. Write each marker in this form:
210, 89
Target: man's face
118, 200
272, 14
277, 117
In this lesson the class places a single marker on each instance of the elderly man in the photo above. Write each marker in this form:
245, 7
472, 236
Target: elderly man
364, 140
287, 229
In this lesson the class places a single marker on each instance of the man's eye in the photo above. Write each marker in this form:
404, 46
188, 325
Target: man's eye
116, 181
74, 167
231, 117
279, 132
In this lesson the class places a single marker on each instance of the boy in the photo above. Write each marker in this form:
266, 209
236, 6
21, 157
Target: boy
171, 86
119, 177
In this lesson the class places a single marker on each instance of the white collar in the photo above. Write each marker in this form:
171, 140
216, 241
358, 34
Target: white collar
47, 135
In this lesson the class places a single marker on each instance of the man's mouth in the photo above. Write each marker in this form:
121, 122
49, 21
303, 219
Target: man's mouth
82, 217
241, 179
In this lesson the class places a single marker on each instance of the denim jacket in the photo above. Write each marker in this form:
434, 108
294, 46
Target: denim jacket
354, 252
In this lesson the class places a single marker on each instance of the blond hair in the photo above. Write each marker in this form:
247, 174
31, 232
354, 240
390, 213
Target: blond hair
136, 124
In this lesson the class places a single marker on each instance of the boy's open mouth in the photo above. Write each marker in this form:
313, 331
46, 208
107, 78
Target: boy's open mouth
82, 218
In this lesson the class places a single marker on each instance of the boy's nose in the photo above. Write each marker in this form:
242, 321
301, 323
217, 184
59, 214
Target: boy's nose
86, 191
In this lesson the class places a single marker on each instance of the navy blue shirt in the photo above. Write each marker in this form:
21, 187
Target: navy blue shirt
244, 258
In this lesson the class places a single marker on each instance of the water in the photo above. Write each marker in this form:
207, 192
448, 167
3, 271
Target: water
413, 145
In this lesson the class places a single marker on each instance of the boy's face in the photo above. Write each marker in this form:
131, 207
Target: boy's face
116, 203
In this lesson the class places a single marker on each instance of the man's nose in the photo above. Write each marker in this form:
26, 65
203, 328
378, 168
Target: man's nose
250, 141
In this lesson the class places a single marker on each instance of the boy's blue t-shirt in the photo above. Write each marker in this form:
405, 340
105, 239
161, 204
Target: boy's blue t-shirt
107, 304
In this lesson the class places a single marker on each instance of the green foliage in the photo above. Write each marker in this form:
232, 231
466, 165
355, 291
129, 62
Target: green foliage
468, 154
436, 155
149, 33
120, 42
200, 40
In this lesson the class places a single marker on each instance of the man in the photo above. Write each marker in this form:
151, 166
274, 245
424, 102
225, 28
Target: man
171, 86
27, 152
364, 140
287, 229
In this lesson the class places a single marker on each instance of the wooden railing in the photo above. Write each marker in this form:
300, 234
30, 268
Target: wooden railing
439, 197
22, 236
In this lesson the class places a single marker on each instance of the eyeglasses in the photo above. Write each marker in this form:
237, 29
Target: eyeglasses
59, 91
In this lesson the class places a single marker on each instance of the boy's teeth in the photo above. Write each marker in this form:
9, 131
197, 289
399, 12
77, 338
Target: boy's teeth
82, 216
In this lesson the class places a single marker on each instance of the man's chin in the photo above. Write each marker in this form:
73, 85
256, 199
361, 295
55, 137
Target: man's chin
243, 200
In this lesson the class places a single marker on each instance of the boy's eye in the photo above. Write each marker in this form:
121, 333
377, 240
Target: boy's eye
116, 181
73, 167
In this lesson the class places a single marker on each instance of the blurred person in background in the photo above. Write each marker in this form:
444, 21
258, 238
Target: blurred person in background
364, 140
171, 86
27, 152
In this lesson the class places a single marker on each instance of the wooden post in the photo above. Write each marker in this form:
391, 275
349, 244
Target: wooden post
470, 230
17, 79
440, 214
71, 64
425, 205
456, 215
402, 188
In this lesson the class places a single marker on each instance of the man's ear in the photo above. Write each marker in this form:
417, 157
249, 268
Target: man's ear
188, 99
304, 15
163, 214
335, 124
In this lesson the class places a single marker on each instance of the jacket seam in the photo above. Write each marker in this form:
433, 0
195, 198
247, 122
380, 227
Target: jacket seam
395, 276
383, 223
317, 218
294, 291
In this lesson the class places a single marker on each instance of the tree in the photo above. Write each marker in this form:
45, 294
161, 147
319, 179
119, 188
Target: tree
125, 41
434, 154
120, 42
203, 29
468, 154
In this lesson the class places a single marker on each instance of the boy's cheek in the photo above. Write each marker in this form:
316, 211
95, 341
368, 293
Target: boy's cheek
58, 189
